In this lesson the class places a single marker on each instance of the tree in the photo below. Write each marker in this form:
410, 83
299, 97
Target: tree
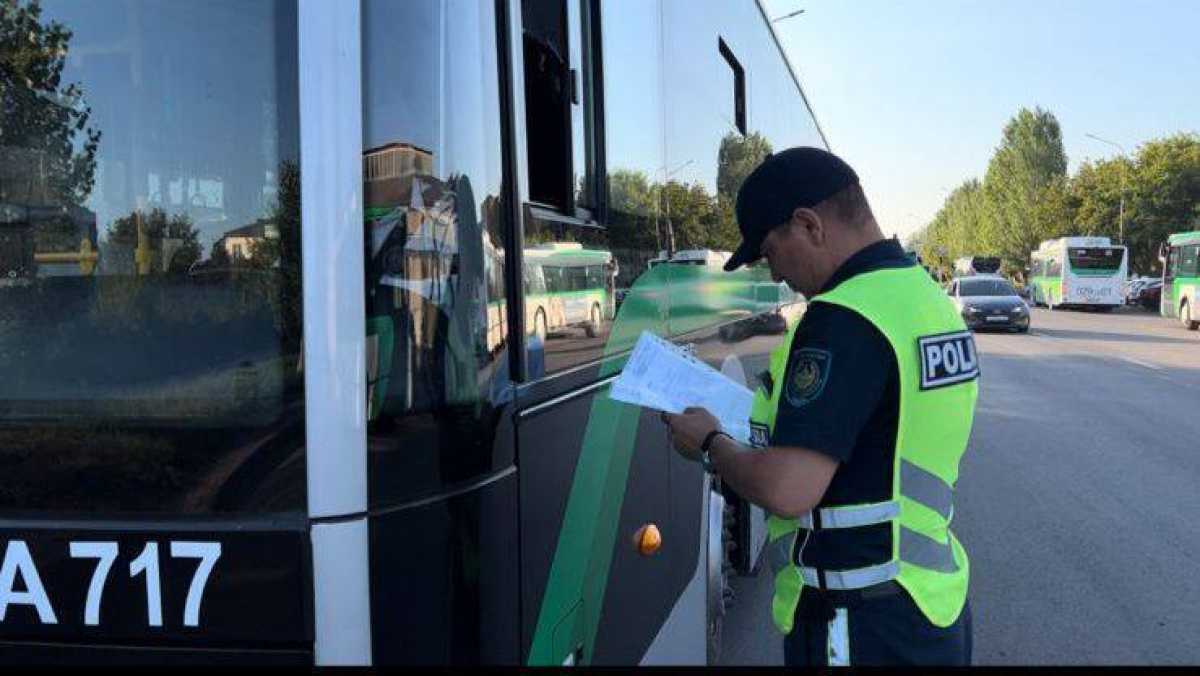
962, 227
1164, 193
287, 219
694, 219
47, 148
1029, 159
1097, 188
171, 236
737, 157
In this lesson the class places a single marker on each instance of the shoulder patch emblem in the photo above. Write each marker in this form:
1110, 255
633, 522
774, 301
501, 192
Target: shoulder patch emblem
760, 436
948, 359
807, 376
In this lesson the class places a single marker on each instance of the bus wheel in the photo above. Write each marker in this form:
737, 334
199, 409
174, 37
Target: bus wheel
1185, 317
593, 325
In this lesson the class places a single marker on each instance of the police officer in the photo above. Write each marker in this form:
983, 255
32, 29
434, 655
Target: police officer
860, 423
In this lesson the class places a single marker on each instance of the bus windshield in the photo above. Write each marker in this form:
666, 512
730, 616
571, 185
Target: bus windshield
150, 296
985, 287
1096, 260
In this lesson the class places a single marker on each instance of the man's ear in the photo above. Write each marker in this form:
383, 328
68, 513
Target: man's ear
811, 225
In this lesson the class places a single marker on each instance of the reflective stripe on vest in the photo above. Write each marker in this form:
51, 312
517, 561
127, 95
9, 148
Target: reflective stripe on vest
852, 516
926, 488
857, 578
919, 550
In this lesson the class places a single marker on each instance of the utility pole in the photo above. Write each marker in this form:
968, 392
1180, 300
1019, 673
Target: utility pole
1124, 171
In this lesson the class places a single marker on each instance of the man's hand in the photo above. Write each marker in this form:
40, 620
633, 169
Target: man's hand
688, 430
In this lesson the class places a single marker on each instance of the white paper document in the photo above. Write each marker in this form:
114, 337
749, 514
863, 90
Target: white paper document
665, 377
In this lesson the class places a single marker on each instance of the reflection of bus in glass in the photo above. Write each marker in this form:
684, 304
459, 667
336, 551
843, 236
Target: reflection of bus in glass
976, 265
1080, 272
567, 285
1180, 300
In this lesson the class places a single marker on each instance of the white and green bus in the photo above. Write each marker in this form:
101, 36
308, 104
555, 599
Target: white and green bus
1181, 278
566, 286
1078, 272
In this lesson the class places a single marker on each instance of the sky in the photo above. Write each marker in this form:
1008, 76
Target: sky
915, 94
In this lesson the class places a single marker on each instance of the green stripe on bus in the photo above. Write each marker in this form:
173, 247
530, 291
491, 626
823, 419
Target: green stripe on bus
582, 558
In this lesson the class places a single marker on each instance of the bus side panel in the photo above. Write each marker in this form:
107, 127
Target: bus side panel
593, 471
642, 589
444, 579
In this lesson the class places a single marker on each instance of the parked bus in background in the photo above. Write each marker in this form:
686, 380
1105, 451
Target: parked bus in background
296, 412
1181, 278
976, 265
1078, 272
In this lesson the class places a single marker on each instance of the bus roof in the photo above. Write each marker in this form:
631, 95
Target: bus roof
1070, 242
566, 253
707, 255
1178, 238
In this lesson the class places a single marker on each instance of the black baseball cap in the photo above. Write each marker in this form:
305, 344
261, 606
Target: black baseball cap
796, 177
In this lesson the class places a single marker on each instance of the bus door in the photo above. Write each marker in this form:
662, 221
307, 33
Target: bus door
594, 473
1168, 305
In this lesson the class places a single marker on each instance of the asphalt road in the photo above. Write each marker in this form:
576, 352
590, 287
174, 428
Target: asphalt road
1078, 503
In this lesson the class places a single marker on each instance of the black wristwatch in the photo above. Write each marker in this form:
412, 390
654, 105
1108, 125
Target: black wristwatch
705, 446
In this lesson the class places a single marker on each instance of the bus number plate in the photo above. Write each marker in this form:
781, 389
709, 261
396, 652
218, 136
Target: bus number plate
105, 584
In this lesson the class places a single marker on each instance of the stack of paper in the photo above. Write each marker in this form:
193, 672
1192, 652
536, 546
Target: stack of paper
665, 377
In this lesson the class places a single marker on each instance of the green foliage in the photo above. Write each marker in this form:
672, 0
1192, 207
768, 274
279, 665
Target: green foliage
1027, 197
1164, 192
44, 123
648, 215
167, 235
960, 228
1020, 176
738, 156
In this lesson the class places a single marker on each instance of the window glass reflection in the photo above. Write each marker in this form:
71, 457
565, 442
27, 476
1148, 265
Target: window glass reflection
437, 332
149, 257
587, 293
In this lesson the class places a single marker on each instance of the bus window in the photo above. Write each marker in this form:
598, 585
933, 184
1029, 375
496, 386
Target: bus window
559, 110
1189, 261
1096, 260
436, 292
151, 314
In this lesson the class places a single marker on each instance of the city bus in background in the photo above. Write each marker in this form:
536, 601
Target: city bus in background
1180, 256
568, 286
976, 265
1078, 272
273, 386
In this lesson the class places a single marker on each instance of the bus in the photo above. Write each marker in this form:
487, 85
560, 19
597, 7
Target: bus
345, 444
1078, 272
976, 265
568, 286
1180, 256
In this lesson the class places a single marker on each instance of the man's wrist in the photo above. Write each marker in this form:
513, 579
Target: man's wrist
720, 447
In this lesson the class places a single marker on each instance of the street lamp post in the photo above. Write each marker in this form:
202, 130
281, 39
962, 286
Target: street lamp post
1124, 171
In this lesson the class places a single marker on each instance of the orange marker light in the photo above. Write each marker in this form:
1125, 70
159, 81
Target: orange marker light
647, 540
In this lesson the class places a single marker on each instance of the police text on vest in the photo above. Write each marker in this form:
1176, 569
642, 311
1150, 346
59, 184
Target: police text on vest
948, 359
